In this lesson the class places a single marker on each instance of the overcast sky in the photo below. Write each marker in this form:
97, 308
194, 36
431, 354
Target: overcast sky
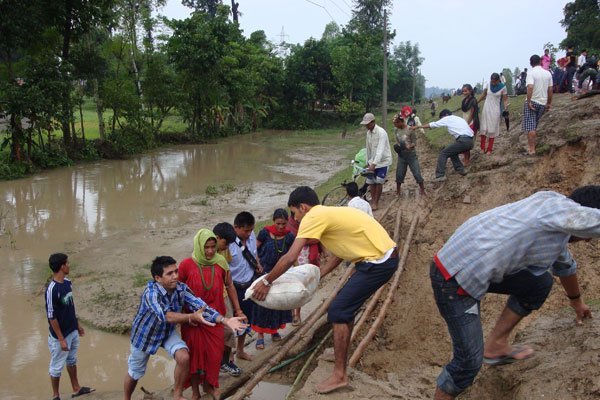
462, 41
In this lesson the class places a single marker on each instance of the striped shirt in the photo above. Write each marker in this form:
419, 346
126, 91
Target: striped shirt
150, 327
529, 234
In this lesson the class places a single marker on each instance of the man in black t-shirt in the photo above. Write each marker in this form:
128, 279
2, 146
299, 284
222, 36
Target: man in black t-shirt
65, 330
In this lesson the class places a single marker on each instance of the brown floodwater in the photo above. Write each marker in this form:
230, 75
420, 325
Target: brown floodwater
80, 208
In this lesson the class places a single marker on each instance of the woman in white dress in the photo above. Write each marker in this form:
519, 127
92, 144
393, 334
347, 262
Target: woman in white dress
495, 96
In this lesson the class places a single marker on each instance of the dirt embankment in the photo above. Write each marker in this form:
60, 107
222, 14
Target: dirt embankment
408, 353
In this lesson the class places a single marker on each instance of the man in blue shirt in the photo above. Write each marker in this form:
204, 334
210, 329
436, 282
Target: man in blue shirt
65, 330
508, 250
161, 308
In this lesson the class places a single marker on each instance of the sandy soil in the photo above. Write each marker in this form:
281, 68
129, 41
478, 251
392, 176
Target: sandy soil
413, 344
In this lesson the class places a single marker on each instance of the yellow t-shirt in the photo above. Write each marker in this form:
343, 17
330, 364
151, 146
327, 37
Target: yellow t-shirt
348, 233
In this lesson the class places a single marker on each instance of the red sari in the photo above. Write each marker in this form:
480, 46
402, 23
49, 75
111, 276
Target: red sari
205, 343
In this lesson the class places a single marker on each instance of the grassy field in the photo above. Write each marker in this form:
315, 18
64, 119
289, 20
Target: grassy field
173, 123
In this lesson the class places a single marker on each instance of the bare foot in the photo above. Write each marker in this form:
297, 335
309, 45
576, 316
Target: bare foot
244, 356
330, 384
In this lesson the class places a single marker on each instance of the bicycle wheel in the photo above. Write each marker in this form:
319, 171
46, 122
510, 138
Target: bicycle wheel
336, 197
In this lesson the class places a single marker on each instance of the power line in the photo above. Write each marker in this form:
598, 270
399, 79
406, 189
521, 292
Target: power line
324, 8
339, 8
349, 6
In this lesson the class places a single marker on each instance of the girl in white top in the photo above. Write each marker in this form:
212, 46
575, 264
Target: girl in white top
495, 96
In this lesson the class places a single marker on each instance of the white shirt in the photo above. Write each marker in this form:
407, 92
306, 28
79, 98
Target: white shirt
361, 204
378, 147
541, 81
456, 126
581, 60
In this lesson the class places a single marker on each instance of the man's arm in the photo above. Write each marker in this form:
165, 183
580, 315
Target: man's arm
550, 93
571, 286
59, 335
332, 263
232, 293
529, 94
284, 263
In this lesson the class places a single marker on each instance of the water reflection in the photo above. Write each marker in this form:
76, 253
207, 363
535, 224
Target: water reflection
62, 209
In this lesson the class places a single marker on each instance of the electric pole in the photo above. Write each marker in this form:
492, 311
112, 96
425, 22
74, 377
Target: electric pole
385, 73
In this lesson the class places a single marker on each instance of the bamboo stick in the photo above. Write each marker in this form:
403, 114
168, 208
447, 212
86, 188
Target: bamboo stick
369, 336
306, 364
247, 388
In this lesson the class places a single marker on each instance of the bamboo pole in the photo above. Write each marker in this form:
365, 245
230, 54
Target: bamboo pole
369, 336
247, 388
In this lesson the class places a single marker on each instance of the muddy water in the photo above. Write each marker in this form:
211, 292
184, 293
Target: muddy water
95, 208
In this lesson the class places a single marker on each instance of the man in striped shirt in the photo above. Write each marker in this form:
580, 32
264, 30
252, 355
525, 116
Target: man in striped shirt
508, 250
161, 308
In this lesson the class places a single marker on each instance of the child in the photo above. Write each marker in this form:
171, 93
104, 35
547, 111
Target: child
407, 154
65, 329
273, 242
355, 200
244, 265
225, 235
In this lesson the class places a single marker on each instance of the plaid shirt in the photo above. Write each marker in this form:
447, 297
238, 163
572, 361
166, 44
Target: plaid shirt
529, 234
150, 327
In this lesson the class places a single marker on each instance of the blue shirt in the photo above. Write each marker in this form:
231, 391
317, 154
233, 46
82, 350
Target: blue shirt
241, 271
529, 234
150, 327
60, 306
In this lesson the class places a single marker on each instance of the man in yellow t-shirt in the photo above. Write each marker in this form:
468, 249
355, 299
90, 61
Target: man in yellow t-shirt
349, 234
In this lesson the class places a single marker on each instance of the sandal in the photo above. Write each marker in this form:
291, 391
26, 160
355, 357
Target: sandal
83, 390
296, 322
276, 337
260, 344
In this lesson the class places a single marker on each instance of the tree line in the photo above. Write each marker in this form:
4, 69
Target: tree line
136, 68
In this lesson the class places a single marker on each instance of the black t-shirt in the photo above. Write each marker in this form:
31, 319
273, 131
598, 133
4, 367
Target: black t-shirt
60, 306
573, 59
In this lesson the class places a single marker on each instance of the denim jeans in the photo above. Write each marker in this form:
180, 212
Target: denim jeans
408, 159
527, 292
460, 145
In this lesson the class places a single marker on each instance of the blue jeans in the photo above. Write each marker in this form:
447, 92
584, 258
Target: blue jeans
527, 292
459, 146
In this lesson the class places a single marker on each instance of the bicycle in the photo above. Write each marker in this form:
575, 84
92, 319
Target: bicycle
338, 196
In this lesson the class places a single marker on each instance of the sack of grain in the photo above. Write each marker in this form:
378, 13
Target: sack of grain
291, 290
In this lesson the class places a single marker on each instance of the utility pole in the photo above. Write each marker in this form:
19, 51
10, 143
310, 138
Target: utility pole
385, 73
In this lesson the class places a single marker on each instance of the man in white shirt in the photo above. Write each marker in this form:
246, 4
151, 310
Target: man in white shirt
539, 99
355, 200
582, 59
463, 134
379, 156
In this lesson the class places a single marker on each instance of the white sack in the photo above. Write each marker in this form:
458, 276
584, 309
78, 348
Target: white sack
291, 290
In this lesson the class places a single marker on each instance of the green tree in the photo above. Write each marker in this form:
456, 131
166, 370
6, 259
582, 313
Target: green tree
582, 23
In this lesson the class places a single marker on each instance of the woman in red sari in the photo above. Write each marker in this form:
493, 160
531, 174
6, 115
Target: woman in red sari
205, 273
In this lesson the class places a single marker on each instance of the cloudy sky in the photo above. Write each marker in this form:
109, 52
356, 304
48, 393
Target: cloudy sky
462, 41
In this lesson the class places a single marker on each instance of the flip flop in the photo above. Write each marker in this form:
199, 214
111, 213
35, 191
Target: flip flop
276, 337
296, 322
56, 398
260, 344
507, 359
83, 390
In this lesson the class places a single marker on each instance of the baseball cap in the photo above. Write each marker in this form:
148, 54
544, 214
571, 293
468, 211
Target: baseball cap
368, 118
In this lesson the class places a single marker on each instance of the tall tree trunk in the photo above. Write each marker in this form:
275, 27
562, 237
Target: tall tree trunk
234, 11
99, 110
81, 121
66, 103
16, 134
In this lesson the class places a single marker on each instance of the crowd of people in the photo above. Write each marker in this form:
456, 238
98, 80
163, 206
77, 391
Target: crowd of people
204, 293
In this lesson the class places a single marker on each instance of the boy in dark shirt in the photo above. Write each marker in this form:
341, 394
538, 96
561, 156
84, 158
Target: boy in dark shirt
65, 330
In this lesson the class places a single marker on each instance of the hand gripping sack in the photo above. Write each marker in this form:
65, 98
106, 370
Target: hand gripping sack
291, 290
